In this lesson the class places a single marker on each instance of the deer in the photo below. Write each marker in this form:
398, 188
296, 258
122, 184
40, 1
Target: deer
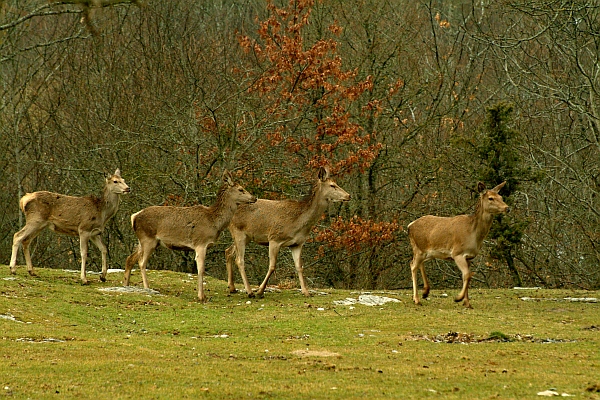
185, 228
457, 238
277, 224
85, 217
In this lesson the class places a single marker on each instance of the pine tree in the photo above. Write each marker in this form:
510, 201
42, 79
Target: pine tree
501, 162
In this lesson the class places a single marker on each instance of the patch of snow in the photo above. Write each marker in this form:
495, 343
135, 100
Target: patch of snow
128, 289
110, 271
582, 299
367, 300
551, 393
46, 340
571, 299
10, 317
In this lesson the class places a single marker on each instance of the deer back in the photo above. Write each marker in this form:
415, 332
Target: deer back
174, 227
444, 237
186, 227
71, 215
288, 220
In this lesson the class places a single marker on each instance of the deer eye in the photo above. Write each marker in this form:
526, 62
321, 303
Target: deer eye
116, 182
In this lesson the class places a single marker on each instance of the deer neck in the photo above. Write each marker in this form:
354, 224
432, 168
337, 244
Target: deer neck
222, 210
109, 204
315, 206
482, 222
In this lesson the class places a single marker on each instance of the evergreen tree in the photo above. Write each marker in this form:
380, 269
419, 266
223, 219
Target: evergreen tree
501, 162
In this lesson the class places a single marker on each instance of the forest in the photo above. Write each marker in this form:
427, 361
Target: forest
410, 104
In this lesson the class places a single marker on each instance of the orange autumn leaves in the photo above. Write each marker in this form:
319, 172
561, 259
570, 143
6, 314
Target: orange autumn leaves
315, 107
305, 83
356, 234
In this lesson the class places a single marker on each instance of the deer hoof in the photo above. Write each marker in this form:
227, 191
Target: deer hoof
103, 278
31, 273
85, 282
260, 295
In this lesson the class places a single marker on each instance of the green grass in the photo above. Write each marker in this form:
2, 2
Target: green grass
74, 341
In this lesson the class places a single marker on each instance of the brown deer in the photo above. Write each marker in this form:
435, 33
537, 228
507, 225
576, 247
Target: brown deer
456, 238
279, 223
185, 228
85, 217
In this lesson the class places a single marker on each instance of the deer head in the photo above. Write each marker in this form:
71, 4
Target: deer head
116, 184
239, 194
492, 201
331, 191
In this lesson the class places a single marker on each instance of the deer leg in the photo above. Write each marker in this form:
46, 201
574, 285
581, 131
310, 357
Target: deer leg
296, 252
426, 286
143, 262
98, 242
145, 249
229, 259
24, 237
200, 257
27, 254
415, 265
463, 265
240, 249
83, 248
273, 251
17, 240
129, 263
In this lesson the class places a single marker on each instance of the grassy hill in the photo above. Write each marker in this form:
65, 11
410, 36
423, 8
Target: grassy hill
60, 339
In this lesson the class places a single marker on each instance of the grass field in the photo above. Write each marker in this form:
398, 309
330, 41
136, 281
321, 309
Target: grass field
64, 340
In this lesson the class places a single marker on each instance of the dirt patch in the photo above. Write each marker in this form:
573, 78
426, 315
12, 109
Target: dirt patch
467, 338
315, 353
595, 388
591, 328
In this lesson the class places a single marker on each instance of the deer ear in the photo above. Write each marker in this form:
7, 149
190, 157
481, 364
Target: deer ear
117, 172
227, 178
500, 186
323, 173
480, 187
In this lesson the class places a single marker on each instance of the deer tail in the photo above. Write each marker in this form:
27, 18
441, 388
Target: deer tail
25, 200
